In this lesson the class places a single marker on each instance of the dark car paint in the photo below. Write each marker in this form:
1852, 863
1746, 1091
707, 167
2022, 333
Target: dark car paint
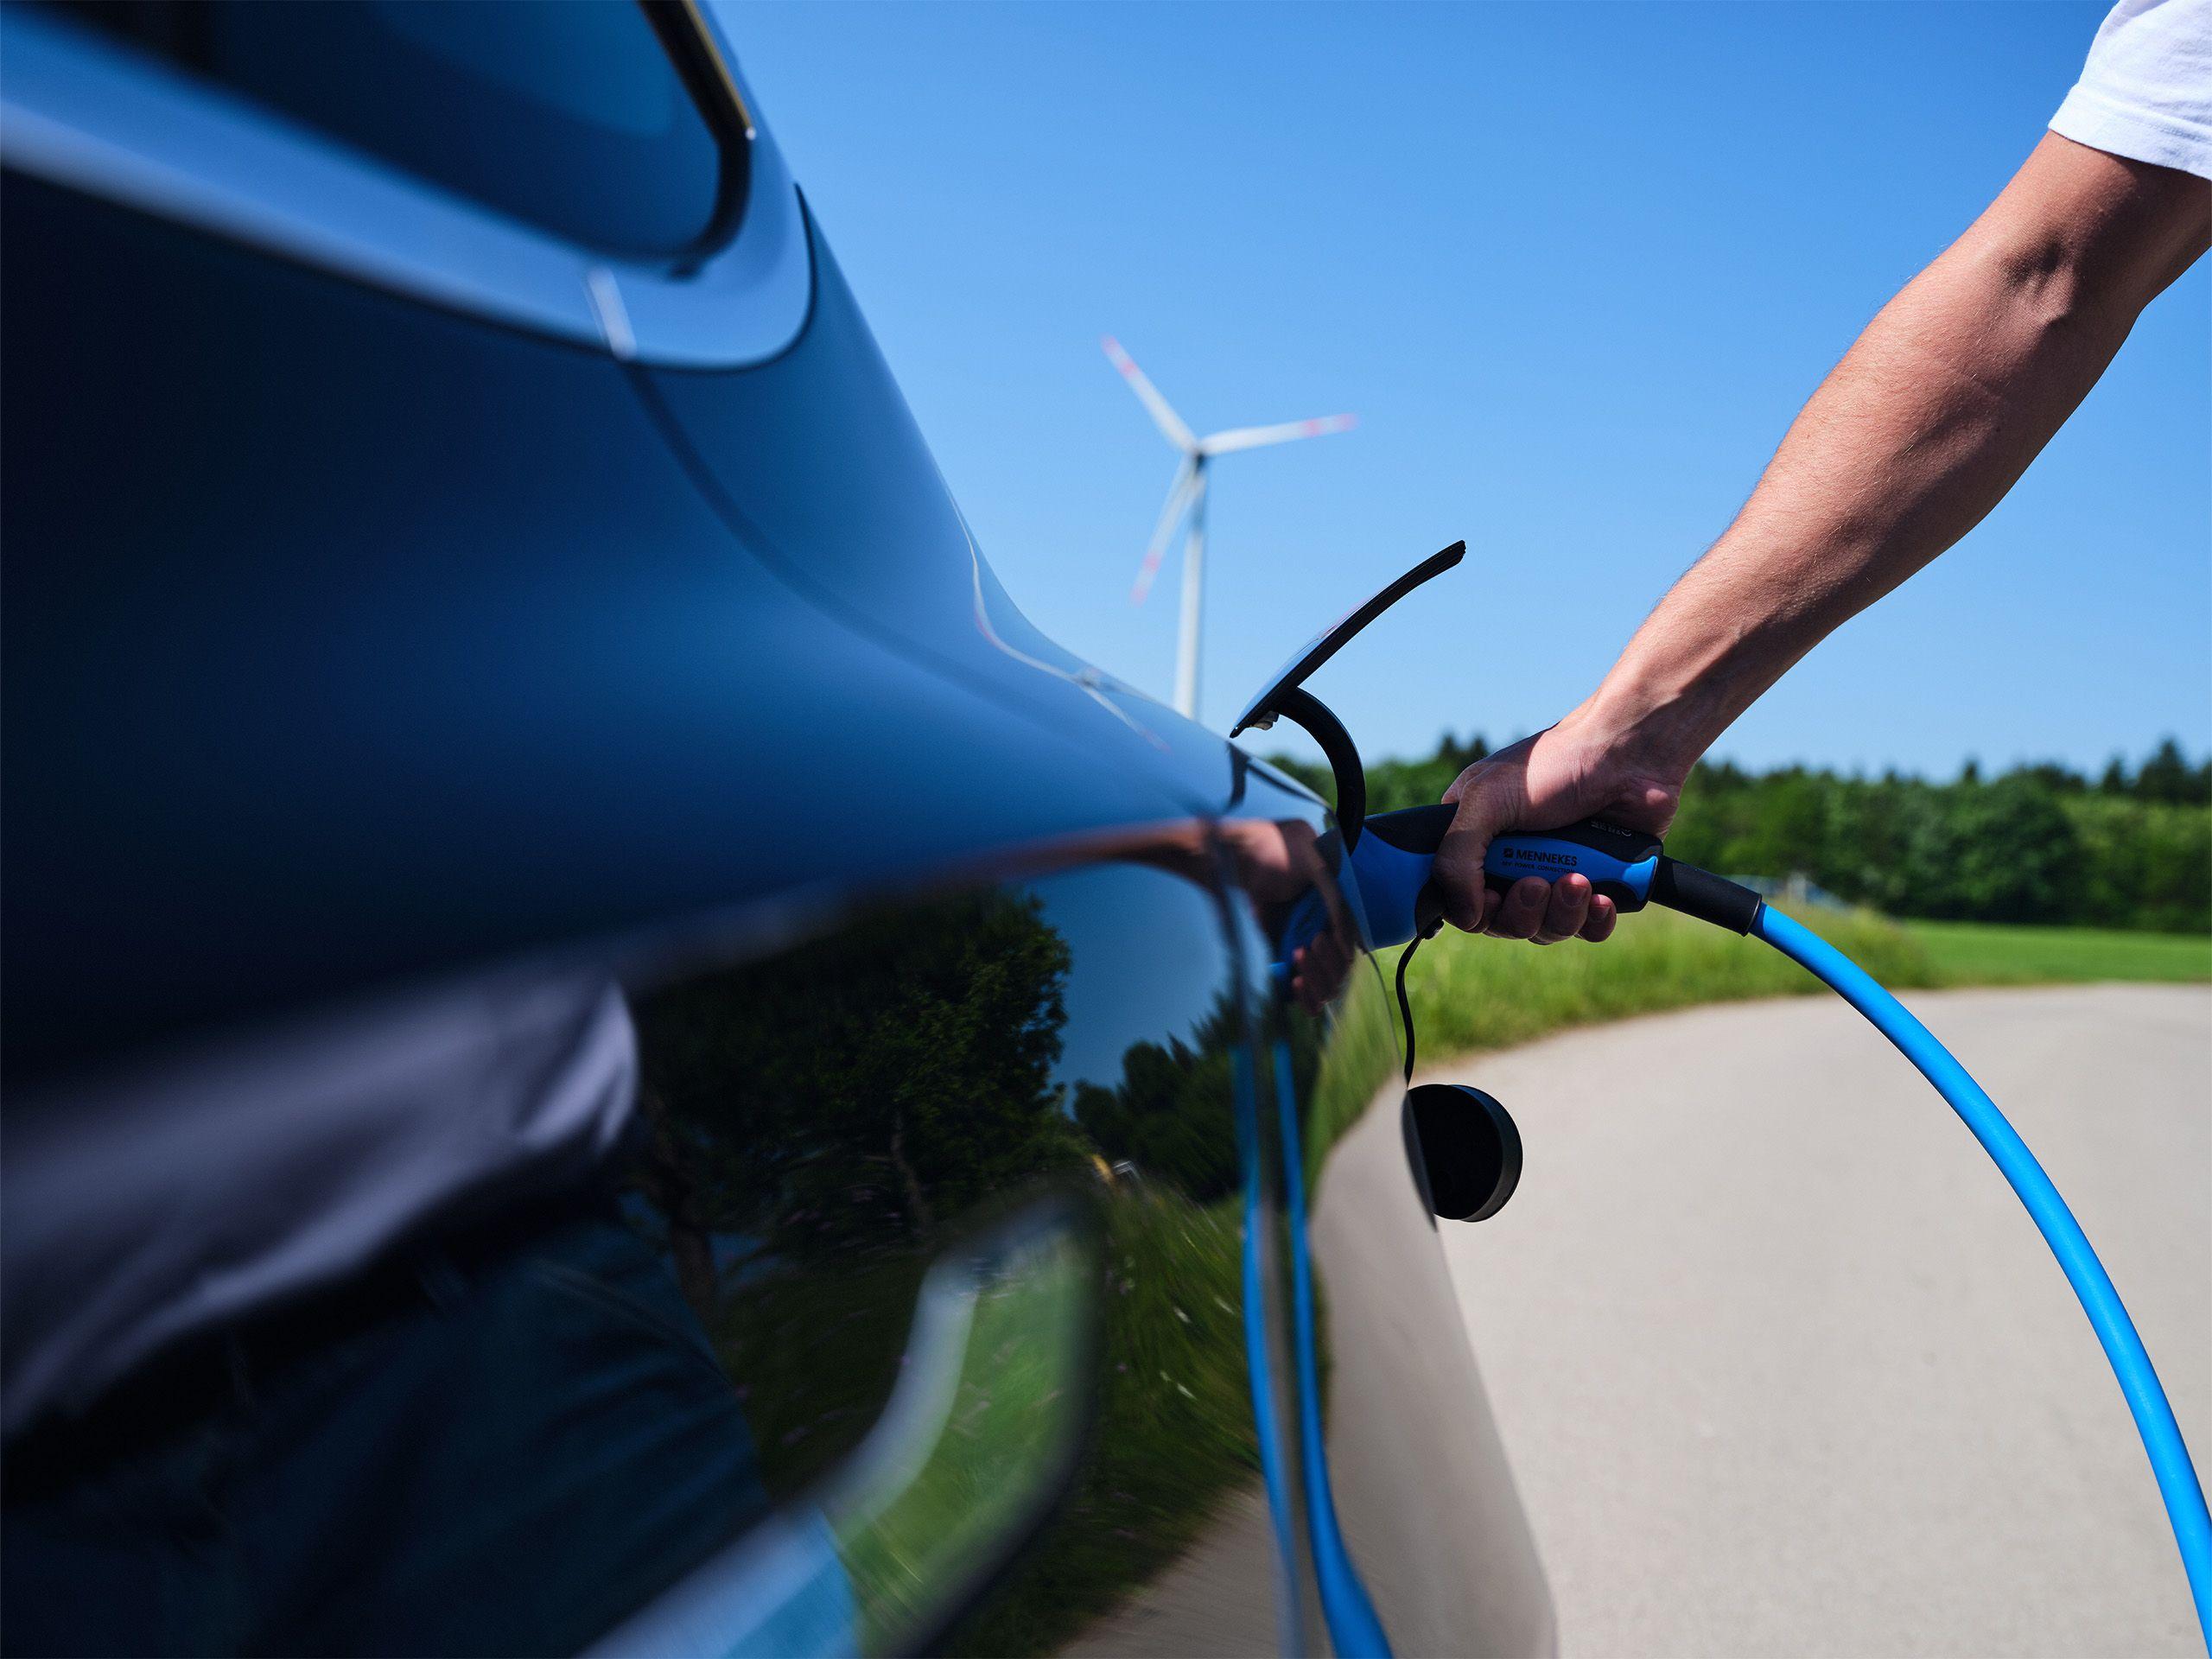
359, 645
453, 665
1420, 1489
875, 539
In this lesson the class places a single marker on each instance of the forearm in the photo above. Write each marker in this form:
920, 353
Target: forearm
1928, 420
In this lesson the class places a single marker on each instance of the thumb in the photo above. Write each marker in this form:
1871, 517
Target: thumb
1483, 809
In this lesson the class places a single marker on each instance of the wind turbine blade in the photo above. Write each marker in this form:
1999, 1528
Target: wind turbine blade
1169, 422
1183, 492
1253, 437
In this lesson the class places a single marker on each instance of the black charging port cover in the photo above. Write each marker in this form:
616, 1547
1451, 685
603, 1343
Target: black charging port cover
1470, 1149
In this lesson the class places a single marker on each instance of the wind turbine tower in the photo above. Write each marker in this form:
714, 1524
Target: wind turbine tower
1187, 503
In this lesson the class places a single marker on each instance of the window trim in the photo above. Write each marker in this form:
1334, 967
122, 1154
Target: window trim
80, 111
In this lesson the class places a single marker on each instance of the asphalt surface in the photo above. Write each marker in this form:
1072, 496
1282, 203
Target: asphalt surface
1782, 1367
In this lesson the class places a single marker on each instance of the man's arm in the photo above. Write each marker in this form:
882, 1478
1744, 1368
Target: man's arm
1928, 420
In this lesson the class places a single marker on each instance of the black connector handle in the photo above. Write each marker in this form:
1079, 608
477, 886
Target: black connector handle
1708, 897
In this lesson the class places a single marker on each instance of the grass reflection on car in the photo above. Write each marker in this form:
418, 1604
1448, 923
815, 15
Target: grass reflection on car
824, 1123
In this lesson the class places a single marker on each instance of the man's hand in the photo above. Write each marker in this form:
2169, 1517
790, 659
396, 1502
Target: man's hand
1556, 778
1919, 431
1278, 864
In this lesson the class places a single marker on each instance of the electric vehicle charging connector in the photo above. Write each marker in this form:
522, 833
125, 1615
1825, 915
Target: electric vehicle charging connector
1391, 866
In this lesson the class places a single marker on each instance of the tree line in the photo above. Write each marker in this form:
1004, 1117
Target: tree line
2130, 847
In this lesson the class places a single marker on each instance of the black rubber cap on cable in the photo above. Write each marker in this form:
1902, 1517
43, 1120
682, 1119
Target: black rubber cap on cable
1708, 897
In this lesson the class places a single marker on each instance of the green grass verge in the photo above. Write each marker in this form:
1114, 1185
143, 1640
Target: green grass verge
1471, 994
1172, 1436
1474, 993
1173, 1433
1976, 953
1015, 1413
815, 1354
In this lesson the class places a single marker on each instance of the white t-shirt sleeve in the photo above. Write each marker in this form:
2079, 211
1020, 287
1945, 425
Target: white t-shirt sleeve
2146, 91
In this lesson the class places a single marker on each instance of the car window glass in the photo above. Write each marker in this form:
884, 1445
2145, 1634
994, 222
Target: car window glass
568, 114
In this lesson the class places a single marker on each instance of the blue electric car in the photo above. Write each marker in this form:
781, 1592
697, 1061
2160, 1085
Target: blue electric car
605, 1049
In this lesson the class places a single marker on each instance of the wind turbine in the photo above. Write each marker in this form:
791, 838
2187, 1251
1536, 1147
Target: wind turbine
1187, 495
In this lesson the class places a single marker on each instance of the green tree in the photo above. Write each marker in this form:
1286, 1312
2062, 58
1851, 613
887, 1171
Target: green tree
2168, 780
1171, 1115
1995, 849
867, 1085
2014, 851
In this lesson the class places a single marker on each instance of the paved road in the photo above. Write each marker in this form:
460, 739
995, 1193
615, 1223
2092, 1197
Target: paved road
1782, 1367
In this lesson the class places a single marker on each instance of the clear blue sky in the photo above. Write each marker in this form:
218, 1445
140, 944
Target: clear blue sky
1573, 267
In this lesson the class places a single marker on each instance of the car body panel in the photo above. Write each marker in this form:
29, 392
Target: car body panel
469, 788
1420, 1501
352, 651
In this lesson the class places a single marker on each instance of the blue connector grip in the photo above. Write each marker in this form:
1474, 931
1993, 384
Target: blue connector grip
1391, 865
1391, 877
1619, 863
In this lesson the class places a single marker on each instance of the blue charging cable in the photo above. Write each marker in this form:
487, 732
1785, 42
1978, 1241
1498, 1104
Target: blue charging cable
1389, 866
2138, 1379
